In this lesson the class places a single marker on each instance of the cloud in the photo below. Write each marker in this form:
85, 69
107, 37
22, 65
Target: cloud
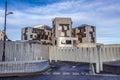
102, 14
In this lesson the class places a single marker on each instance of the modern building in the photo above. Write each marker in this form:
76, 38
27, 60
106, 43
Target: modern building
85, 34
42, 33
62, 32
2, 36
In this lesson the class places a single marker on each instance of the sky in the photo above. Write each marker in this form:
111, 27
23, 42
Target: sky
104, 14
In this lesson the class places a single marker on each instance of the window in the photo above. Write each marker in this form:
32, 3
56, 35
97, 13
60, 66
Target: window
68, 41
74, 42
93, 29
91, 34
92, 40
46, 37
35, 36
83, 35
68, 33
31, 36
63, 42
55, 42
25, 37
64, 27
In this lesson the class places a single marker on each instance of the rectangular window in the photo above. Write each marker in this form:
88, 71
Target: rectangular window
93, 29
64, 27
55, 42
63, 42
31, 36
25, 37
83, 35
91, 34
68, 33
68, 41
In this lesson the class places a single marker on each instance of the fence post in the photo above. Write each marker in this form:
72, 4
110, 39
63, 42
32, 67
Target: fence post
50, 58
101, 58
55, 49
91, 66
99, 65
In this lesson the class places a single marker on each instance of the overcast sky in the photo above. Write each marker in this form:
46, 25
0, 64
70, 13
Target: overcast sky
104, 14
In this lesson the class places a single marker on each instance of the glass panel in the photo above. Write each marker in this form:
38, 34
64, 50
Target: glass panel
68, 41
65, 27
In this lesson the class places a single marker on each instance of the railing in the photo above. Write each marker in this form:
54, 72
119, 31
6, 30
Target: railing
23, 66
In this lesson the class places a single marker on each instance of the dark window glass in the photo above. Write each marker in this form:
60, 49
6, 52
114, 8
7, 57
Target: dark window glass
31, 36
68, 41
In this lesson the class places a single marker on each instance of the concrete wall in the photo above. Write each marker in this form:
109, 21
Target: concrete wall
96, 55
76, 54
21, 51
23, 66
85, 54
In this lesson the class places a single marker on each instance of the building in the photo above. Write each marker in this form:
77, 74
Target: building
42, 33
85, 34
62, 32
2, 36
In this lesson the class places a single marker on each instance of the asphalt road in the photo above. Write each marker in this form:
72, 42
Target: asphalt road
66, 71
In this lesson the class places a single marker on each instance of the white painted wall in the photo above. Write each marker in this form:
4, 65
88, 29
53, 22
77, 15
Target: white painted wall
21, 51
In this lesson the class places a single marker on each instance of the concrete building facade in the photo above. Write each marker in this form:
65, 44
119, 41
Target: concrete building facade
85, 34
2, 36
41, 33
62, 32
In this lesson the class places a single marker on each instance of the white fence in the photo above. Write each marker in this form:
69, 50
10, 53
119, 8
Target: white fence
21, 57
111, 53
84, 54
96, 55
21, 51
23, 66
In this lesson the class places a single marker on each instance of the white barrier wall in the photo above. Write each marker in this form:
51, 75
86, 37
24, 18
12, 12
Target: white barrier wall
23, 66
96, 55
110, 53
77, 54
21, 51
84, 54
